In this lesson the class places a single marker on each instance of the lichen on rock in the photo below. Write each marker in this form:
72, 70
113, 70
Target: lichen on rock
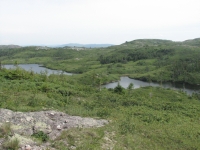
52, 123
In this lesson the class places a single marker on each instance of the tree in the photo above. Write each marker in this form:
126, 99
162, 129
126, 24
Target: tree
119, 89
16, 63
149, 79
100, 79
130, 87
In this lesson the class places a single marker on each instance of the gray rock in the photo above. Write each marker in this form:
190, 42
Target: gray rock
59, 127
24, 124
28, 147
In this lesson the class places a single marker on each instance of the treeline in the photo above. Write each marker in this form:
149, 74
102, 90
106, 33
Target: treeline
32, 52
182, 62
156, 60
125, 55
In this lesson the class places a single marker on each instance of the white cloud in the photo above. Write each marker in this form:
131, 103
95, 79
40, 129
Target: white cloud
96, 21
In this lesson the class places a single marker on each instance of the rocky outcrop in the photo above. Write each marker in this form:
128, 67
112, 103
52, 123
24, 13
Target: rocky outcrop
24, 124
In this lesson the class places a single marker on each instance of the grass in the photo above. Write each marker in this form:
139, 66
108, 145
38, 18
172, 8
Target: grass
166, 119
6, 133
5, 129
12, 144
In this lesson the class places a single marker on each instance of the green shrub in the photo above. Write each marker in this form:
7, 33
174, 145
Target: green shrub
119, 89
5, 129
33, 101
12, 144
126, 126
41, 136
71, 139
103, 112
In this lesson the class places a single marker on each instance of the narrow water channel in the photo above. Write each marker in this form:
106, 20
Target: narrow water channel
124, 81
37, 69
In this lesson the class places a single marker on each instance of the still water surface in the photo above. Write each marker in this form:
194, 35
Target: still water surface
124, 81
37, 69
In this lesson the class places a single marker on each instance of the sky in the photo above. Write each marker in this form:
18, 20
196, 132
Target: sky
54, 22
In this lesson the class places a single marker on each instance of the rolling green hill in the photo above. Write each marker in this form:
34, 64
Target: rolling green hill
144, 118
145, 59
180, 61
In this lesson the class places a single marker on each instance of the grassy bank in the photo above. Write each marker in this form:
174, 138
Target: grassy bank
145, 118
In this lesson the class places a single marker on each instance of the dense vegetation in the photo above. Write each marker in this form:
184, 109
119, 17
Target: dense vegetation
179, 61
145, 118
156, 60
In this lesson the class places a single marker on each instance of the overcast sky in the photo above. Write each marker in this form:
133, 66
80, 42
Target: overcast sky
51, 22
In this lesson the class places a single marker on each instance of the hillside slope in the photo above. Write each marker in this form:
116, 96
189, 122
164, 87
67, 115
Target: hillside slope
180, 61
9, 46
144, 59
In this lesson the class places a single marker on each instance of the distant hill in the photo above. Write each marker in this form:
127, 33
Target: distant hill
160, 60
144, 43
146, 59
84, 45
193, 42
9, 46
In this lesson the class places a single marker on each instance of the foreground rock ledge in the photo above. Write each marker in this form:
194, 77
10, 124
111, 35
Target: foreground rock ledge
24, 124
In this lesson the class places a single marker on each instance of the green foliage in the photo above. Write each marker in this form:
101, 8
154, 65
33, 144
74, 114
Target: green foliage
126, 126
161, 60
119, 89
144, 118
197, 95
33, 101
5, 130
180, 60
130, 86
41, 136
134, 116
103, 112
11, 144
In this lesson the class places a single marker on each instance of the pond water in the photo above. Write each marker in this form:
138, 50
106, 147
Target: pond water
125, 81
37, 69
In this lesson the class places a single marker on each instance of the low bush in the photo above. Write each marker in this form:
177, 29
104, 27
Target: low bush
41, 136
12, 144
5, 129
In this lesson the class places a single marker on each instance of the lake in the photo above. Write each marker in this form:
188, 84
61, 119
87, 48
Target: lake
125, 81
37, 69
